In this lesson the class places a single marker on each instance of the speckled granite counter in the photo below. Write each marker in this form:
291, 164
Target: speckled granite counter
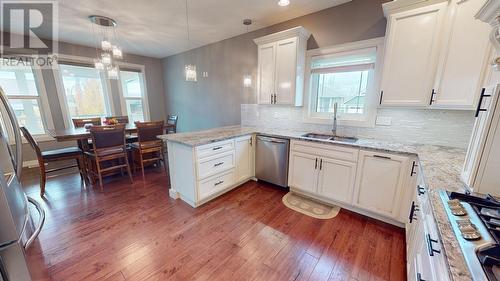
441, 168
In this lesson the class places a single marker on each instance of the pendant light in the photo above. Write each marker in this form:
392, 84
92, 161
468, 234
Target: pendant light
189, 69
104, 31
247, 79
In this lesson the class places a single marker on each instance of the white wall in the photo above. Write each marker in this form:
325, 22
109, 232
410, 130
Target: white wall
436, 127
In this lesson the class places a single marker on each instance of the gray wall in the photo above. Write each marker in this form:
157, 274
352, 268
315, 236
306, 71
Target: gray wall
154, 85
215, 100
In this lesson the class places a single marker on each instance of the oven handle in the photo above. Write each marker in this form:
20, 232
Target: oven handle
38, 228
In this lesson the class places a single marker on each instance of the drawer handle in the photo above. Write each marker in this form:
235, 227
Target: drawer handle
430, 246
219, 182
413, 172
379, 156
218, 164
420, 190
217, 148
414, 208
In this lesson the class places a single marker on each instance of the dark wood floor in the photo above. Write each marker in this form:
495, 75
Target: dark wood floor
136, 232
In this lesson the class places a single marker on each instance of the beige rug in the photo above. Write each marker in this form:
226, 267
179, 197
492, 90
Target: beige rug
309, 207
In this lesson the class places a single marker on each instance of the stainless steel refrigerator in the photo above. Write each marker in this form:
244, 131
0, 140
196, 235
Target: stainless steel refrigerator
19, 225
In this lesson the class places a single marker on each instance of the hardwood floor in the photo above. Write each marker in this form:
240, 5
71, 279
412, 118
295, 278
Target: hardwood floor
136, 232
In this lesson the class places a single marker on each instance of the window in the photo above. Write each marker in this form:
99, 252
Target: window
85, 91
23, 91
133, 95
344, 76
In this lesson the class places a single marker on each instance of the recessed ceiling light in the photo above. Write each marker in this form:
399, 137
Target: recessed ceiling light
284, 3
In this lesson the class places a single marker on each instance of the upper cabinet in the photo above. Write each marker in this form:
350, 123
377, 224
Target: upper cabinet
281, 66
436, 54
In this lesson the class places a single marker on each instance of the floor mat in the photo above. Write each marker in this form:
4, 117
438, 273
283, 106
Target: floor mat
309, 207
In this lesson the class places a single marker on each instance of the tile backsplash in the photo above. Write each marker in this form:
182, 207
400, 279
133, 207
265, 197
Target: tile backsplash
423, 126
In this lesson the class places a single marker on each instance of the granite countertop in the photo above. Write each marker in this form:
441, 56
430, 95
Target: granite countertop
441, 168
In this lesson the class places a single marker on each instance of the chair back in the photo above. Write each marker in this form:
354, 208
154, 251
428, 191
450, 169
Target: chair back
172, 120
120, 119
80, 122
149, 131
33, 143
110, 136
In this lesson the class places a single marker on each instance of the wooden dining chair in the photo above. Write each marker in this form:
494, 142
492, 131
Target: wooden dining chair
81, 122
120, 119
172, 120
43, 157
149, 148
110, 148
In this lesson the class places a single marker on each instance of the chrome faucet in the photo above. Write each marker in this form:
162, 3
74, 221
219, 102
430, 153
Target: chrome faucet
334, 128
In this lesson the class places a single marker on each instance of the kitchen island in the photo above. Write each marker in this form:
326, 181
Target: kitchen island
439, 168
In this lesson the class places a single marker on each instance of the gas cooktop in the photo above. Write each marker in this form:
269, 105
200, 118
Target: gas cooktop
476, 224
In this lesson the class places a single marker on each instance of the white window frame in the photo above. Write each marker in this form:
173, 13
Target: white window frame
368, 118
43, 102
144, 98
106, 87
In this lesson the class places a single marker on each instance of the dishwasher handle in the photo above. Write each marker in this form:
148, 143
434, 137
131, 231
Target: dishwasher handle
273, 140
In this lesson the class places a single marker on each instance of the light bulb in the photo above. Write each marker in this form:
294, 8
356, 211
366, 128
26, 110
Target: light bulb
98, 64
106, 45
113, 72
247, 81
190, 73
106, 58
284, 3
117, 52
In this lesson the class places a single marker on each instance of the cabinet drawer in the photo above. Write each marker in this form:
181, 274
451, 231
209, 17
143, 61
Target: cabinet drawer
215, 164
214, 148
326, 150
215, 184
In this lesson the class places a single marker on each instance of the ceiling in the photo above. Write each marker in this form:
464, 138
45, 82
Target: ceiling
157, 28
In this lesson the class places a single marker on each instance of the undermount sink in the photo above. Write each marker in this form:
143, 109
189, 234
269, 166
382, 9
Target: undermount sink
330, 137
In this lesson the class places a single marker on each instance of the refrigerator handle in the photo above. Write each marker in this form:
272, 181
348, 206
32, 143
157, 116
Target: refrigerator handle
18, 159
38, 228
480, 103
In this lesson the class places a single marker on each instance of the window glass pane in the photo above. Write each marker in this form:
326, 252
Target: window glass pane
134, 109
84, 91
28, 115
19, 81
131, 84
347, 89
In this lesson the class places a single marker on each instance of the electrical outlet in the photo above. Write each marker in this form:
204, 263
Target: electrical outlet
205, 74
384, 121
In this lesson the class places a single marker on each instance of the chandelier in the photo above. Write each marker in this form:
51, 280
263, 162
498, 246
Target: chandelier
105, 34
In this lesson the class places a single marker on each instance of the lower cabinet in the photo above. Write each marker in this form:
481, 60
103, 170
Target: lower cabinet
381, 181
372, 183
303, 172
336, 179
244, 158
316, 174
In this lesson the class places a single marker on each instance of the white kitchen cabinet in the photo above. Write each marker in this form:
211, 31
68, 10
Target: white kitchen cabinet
380, 183
266, 70
464, 56
244, 158
411, 56
336, 179
281, 66
303, 173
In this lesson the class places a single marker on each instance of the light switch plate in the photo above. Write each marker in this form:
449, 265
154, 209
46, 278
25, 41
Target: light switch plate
384, 121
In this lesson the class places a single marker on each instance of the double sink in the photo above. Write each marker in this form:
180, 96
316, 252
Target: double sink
326, 137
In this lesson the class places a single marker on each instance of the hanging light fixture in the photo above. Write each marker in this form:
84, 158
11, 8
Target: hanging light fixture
189, 69
247, 79
104, 32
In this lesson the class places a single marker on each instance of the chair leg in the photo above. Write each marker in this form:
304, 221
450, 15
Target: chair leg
79, 162
128, 170
43, 179
98, 166
164, 161
142, 166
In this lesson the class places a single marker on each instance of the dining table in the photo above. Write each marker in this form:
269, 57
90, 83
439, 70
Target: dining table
82, 136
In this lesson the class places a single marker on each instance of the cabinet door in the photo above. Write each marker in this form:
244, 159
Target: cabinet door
286, 67
380, 181
412, 48
303, 173
267, 68
244, 158
464, 57
336, 179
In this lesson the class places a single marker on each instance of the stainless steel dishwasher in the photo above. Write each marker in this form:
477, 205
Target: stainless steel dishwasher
271, 163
